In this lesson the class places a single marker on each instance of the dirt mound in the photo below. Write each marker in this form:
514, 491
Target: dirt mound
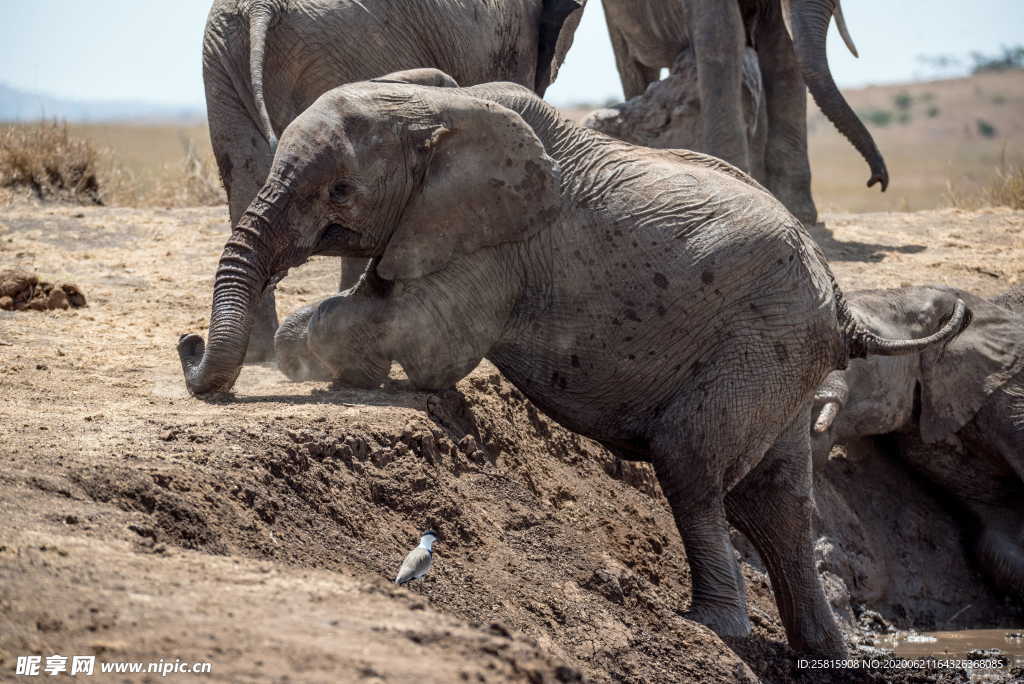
543, 533
21, 290
262, 533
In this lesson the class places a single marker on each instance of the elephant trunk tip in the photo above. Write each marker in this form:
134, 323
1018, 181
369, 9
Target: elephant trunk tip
199, 382
880, 176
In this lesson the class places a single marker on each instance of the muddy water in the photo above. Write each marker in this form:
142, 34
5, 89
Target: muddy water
958, 644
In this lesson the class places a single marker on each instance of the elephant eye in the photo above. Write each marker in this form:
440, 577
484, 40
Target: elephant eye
341, 191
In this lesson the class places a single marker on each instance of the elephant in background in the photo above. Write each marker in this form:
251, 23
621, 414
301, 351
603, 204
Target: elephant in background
660, 302
789, 39
970, 394
668, 115
265, 61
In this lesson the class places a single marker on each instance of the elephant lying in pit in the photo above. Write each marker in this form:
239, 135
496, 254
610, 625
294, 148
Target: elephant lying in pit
971, 394
668, 114
265, 61
788, 37
660, 302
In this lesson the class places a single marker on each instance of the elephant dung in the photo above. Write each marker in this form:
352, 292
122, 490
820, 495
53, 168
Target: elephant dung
21, 290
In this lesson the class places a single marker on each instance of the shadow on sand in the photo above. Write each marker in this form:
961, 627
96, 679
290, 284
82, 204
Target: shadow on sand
837, 250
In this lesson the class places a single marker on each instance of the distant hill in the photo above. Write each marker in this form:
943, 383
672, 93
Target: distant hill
22, 105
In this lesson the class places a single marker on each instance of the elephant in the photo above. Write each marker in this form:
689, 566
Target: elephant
660, 302
789, 38
265, 61
970, 394
669, 114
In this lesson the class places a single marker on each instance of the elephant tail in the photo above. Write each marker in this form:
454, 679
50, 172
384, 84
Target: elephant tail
260, 16
861, 342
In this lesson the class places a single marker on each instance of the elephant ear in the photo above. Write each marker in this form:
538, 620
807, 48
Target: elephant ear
956, 381
486, 181
558, 22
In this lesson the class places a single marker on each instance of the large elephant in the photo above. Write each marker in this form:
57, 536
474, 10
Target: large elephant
265, 61
970, 393
789, 38
660, 302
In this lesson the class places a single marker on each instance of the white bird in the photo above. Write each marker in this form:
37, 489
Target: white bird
419, 560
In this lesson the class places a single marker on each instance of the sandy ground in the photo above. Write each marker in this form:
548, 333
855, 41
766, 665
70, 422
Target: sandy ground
260, 533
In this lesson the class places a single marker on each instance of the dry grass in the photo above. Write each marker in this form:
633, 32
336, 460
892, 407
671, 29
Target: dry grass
113, 164
49, 162
1008, 189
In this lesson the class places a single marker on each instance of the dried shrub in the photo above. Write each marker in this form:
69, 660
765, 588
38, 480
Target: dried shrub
1007, 190
44, 158
49, 162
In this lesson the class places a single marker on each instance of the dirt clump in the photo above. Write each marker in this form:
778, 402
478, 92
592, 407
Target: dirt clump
23, 291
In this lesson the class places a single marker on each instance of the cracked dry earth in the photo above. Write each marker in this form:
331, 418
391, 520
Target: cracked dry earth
261, 532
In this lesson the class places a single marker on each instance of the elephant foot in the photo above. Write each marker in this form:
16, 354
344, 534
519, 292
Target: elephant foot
824, 643
725, 621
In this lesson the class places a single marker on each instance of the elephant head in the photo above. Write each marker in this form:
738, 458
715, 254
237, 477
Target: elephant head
942, 387
807, 22
410, 175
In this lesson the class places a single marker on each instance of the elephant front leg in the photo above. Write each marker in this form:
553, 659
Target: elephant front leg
353, 338
787, 167
635, 77
291, 344
719, 41
346, 340
322, 342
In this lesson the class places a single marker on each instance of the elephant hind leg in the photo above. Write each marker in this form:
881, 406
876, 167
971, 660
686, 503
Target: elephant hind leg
718, 594
772, 505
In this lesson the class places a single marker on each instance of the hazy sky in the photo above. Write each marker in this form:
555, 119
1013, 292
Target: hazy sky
149, 50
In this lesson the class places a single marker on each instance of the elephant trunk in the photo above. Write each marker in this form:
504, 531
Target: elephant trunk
808, 21
242, 275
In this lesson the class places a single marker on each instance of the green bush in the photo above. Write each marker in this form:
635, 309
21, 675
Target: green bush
1012, 57
878, 117
985, 129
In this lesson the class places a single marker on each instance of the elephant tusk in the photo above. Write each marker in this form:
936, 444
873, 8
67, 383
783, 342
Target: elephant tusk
787, 7
827, 416
843, 30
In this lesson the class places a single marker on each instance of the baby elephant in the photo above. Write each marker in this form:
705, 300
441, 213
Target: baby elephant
658, 301
970, 393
